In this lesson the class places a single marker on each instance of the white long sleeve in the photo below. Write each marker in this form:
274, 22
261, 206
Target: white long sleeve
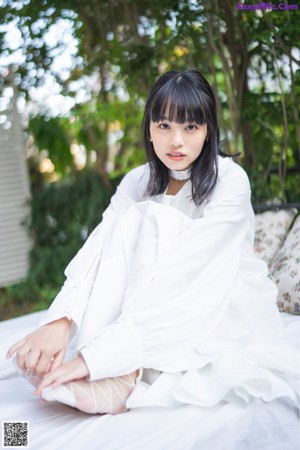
72, 300
184, 294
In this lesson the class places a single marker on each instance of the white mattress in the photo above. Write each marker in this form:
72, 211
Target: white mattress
258, 426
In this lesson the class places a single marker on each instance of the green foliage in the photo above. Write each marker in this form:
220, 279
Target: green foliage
251, 58
63, 215
53, 134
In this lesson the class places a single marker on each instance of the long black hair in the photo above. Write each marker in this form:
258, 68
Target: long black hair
183, 97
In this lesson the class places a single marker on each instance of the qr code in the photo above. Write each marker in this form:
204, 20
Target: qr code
15, 434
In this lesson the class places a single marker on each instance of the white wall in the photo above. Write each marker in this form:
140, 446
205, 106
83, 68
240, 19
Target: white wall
14, 192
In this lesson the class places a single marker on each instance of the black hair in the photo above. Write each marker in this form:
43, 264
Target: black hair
185, 97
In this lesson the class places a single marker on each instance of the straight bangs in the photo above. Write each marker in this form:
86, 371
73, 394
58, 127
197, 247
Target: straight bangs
178, 102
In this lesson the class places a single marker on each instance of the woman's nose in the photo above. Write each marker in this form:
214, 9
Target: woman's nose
177, 139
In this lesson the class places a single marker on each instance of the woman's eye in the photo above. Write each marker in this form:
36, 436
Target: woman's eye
191, 127
163, 126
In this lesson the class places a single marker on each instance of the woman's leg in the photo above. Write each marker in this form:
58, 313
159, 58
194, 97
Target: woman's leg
106, 396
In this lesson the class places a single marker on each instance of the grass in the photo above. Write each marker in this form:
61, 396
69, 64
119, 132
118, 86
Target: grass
19, 299
11, 310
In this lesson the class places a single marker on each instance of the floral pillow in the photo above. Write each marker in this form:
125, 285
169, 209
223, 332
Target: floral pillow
271, 229
285, 272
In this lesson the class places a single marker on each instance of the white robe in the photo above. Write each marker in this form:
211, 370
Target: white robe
176, 290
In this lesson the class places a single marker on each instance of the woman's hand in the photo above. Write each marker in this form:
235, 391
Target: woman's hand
74, 369
44, 349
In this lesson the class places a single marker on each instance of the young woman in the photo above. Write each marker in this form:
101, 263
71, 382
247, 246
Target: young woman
166, 303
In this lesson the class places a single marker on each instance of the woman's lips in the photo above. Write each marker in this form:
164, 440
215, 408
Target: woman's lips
175, 156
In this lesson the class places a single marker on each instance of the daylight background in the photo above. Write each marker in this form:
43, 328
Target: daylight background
83, 70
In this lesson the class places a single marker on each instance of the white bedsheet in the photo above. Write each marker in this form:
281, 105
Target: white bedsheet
258, 426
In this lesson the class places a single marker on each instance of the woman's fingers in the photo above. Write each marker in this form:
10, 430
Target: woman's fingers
48, 363
43, 365
22, 355
38, 350
72, 370
44, 350
57, 360
30, 356
54, 378
31, 359
15, 348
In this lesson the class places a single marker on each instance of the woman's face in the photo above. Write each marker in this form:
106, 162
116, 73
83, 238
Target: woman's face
177, 145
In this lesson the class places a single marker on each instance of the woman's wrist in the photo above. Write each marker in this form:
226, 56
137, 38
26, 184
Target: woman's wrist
63, 321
